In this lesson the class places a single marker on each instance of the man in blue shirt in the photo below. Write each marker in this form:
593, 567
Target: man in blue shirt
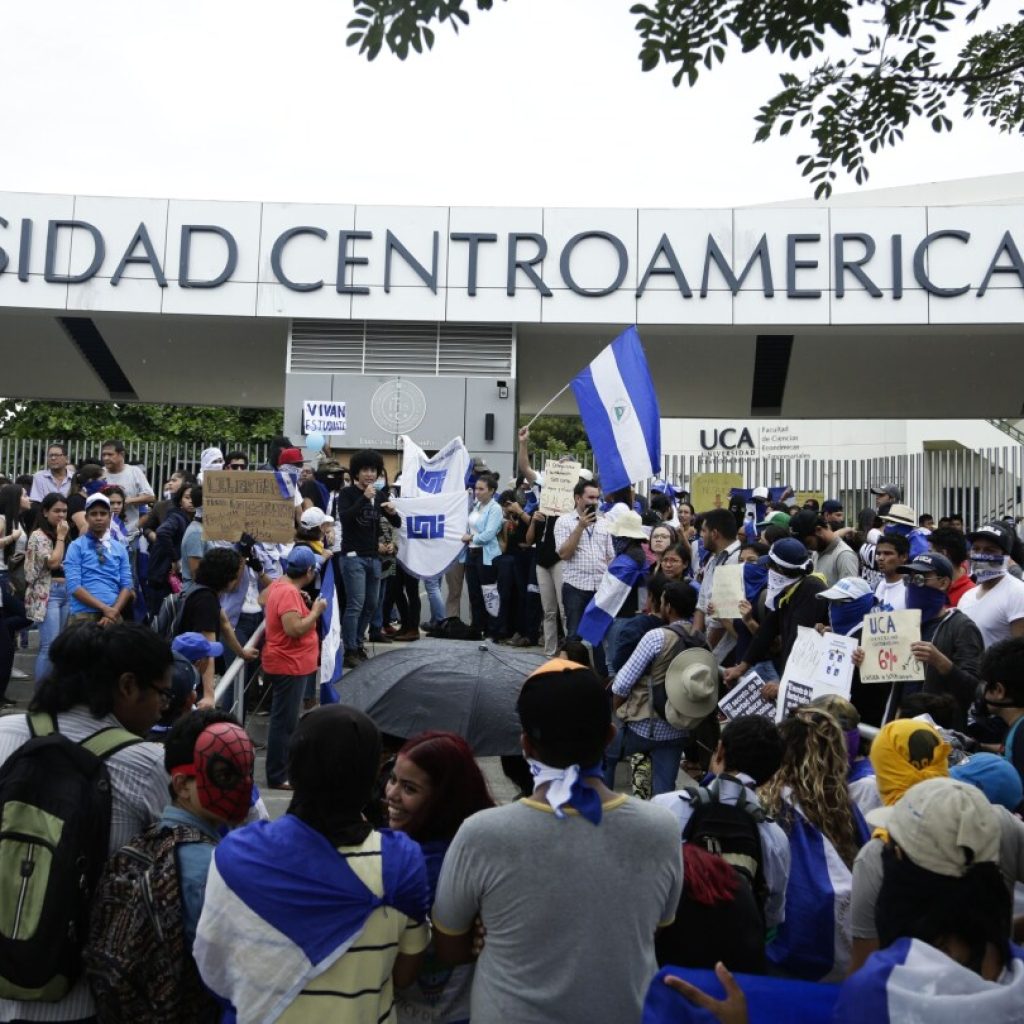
99, 575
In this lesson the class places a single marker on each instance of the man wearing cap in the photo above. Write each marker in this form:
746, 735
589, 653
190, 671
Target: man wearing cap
996, 604
673, 657
290, 654
832, 512
792, 602
886, 494
780, 520
833, 557
950, 647
572, 868
97, 569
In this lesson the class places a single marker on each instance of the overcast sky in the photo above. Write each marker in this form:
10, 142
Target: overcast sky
539, 102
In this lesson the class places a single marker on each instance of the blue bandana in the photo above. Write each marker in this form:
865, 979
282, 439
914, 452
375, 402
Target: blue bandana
846, 616
567, 789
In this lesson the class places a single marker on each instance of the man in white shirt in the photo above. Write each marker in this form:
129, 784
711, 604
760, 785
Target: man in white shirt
996, 604
891, 551
131, 479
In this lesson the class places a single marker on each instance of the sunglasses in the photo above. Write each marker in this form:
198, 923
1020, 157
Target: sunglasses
918, 579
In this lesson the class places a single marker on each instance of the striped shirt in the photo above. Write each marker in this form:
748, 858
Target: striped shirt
592, 555
631, 673
358, 989
139, 785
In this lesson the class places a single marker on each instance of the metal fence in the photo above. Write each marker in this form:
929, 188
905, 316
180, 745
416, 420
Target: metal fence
159, 458
980, 485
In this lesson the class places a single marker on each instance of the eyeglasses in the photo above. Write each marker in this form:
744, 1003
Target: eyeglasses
166, 695
918, 579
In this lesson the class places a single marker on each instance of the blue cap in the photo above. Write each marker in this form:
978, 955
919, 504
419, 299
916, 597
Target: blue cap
994, 776
195, 646
832, 506
789, 553
301, 557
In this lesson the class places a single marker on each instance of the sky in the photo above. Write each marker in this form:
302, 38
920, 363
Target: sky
536, 103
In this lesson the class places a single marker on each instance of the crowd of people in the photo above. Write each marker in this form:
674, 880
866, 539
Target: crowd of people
865, 852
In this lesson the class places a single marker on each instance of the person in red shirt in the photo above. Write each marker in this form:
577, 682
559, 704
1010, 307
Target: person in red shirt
952, 543
290, 655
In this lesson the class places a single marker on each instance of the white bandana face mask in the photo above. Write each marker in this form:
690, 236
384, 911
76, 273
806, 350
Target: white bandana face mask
985, 568
777, 583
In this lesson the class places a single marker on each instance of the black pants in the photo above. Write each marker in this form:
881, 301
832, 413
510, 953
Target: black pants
478, 576
407, 599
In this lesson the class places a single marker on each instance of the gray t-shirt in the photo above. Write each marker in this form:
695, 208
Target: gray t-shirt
192, 545
132, 480
570, 908
867, 872
837, 561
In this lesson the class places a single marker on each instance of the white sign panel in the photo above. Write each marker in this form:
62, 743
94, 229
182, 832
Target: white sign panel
818, 664
323, 417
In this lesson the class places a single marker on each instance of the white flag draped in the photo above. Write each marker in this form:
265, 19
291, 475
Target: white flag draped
446, 471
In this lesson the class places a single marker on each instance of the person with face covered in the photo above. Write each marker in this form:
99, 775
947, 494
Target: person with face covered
336, 909
791, 602
951, 645
996, 604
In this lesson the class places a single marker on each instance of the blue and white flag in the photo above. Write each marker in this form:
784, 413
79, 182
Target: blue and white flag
331, 650
621, 576
815, 941
430, 537
281, 907
620, 413
446, 471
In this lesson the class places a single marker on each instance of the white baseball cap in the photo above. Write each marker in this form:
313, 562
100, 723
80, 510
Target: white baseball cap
313, 518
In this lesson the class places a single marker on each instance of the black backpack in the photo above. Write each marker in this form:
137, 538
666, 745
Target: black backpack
731, 831
167, 623
55, 806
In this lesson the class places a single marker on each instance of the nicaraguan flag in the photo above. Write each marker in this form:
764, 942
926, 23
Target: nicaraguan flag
815, 940
330, 636
620, 413
265, 934
620, 577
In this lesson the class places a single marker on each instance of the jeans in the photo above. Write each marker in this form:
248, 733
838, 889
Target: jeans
477, 576
550, 582
286, 703
385, 602
434, 599
665, 757
362, 589
575, 602
57, 608
248, 623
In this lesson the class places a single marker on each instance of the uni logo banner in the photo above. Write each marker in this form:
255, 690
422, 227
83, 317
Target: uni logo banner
424, 527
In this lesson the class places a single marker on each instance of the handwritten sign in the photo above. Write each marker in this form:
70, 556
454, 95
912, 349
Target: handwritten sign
556, 497
886, 639
818, 664
745, 699
711, 490
727, 591
236, 502
323, 417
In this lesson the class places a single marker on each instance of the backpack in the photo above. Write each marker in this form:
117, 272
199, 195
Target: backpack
55, 807
731, 832
454, 629
137, 959
679, 637
167, 623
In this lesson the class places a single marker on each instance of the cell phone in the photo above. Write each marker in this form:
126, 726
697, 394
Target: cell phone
591, 510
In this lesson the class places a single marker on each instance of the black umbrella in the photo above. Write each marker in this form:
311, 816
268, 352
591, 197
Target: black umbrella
456, 685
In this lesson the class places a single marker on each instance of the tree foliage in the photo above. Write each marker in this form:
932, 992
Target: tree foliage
559, 435
885, 64
96, 421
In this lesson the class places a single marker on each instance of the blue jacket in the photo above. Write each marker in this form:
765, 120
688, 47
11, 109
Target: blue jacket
488, 528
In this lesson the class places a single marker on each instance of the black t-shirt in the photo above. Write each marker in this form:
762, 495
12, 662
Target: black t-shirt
544, 541
201, 613
76, 503
360, 520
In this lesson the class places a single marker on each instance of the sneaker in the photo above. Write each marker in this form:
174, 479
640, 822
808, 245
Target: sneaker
361, 654
16, 673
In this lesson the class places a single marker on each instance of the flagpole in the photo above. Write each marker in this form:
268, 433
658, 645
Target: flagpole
549, 402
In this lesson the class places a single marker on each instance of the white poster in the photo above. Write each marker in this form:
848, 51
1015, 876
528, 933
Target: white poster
727, 591
560, 479
818, 664
323, 417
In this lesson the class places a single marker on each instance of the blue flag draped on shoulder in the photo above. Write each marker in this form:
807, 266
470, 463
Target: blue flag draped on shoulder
621, 576
330, 637
620, 412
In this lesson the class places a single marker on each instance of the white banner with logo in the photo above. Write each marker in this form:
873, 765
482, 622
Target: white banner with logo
441, 473
433, 525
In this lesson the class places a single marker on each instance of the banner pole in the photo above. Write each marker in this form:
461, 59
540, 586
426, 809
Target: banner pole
549, 402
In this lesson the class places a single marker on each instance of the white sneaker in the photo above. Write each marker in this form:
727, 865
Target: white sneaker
16, 673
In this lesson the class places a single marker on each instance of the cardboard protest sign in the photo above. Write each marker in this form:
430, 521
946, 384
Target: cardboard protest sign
818, 664
886, 639
802, 496
711, 490
259, 503
727, 591
745, 699
556, 497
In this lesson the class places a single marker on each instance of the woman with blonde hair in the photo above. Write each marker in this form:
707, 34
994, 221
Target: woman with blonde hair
809, 798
